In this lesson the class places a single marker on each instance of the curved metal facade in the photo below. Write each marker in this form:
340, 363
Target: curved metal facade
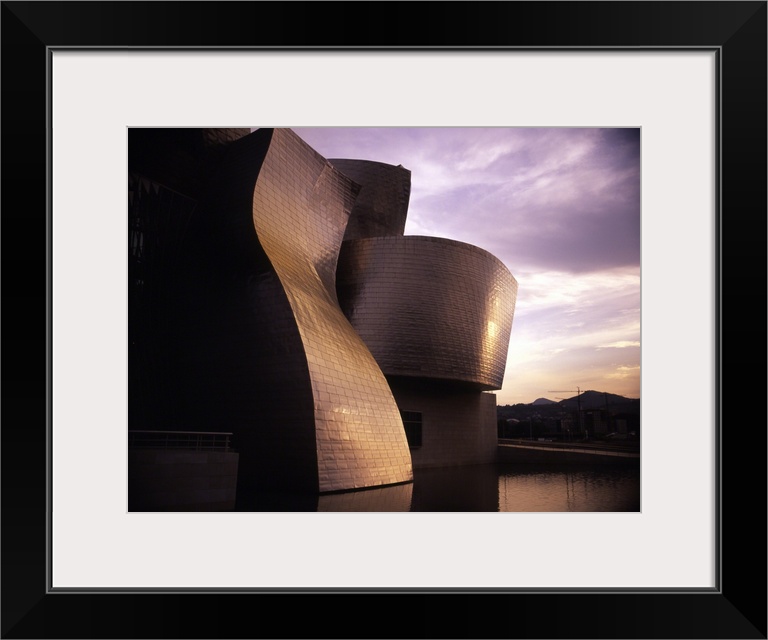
301, 205
429, 307
382, 205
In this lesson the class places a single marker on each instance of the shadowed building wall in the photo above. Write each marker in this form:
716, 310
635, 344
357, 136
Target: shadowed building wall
168, 172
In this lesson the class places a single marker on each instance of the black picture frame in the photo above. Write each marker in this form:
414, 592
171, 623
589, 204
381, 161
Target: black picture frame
735, 609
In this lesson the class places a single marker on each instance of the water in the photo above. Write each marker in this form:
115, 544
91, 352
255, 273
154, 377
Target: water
493, 487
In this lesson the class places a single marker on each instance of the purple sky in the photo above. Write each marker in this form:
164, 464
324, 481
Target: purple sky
561, 208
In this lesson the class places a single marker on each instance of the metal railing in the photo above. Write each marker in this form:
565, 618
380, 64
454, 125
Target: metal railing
186, 440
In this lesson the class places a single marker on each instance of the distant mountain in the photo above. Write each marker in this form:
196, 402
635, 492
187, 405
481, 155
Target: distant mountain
544, 409
595, 400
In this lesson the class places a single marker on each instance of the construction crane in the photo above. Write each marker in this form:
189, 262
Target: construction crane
578, 400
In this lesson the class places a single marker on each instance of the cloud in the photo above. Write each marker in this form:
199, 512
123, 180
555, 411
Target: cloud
624, 371
622, 344
616, 291
560, 207
547, 199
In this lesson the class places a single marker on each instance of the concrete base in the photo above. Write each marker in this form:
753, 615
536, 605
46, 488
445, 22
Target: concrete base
179, 480
458, 425
539, 454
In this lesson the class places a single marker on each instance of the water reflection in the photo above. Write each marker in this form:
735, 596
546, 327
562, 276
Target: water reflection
499, 487
574, 489
386, 499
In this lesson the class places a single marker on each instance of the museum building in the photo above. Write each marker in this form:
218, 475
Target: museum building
274, 295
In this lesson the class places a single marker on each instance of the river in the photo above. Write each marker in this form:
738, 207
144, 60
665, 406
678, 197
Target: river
501, 487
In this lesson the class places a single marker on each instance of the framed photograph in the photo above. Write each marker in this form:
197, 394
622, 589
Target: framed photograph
690, 76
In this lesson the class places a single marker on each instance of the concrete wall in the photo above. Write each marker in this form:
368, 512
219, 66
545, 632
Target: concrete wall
458, 425
543, 455
178, 480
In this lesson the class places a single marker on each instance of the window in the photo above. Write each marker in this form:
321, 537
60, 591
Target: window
412, 424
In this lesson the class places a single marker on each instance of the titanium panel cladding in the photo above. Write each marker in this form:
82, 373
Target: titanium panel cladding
429, 307
382, 205
301, 205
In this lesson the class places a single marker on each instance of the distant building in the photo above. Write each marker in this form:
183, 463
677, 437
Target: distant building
273, 295
596, 421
